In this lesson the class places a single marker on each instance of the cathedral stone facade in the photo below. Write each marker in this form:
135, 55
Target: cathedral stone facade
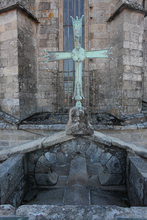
29, 84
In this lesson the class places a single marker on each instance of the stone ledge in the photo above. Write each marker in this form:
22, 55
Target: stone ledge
130, 6
18, 6
7, 210
69, 212
31, 146
7, 118
61, 137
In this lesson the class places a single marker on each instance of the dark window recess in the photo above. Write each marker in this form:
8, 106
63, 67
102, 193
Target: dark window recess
71, 8
143, 3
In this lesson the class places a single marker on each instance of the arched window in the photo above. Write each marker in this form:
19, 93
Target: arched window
71, 8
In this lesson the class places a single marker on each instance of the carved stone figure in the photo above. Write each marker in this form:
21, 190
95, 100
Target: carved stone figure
78, 123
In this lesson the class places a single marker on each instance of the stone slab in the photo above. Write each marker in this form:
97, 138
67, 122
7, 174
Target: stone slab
132, 218
13, 218
12, 180
6, 210
102, 197
49, 197
78, 171
80, 212
76, 195
137, 181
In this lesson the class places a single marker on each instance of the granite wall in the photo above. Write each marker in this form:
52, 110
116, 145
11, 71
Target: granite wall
9, 83
116, 85
27, 68
108, 165
48, 39
126, 66
18, 67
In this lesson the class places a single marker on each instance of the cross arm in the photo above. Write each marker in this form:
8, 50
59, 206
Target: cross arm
52, 56
97, 54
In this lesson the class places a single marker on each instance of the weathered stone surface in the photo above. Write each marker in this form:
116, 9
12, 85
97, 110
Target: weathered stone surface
49, 197
12, 180
81, 212
78, 123
108, 178
101, 197
114, 165
104, 79
51, 157
7, 210
78, 172
44, 174
137, 181
17, 43
61, 137
76, 195
48, 179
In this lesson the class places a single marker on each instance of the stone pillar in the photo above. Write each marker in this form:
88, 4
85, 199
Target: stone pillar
17, 61
126, 26
48, 72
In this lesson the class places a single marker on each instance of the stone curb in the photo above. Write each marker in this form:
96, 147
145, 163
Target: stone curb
35, 145
61, 137
69, 212
111, 141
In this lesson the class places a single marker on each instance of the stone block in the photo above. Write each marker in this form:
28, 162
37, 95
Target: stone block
94, 212
44, 6
48, 197
108, 178
78, 172
137, 181
12, 180
104, 198
7, 210
76, 195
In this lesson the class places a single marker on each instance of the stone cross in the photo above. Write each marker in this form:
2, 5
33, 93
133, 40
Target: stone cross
78, 55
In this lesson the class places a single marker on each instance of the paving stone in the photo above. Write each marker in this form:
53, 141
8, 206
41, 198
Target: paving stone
76, 195
101, 197
49, 197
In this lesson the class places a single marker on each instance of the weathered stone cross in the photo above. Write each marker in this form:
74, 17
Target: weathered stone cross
78, 54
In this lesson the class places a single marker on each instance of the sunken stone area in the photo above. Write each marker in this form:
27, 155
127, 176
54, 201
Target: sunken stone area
63, 170
77, 172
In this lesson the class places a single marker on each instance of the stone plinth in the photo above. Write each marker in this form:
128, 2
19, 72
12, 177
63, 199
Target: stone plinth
78, 123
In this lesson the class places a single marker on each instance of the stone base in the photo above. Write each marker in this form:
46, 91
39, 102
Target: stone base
78, 123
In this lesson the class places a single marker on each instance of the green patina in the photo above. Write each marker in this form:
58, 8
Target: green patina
78, 54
